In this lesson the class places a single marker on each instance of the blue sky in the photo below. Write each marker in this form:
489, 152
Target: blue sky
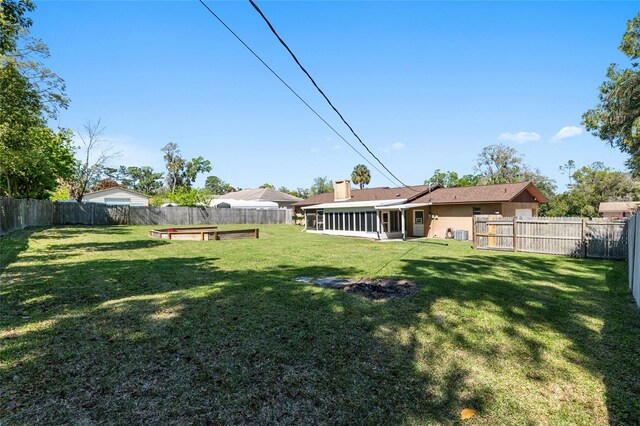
425, 84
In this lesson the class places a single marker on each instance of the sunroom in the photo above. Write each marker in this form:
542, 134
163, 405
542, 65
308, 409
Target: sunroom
384, 219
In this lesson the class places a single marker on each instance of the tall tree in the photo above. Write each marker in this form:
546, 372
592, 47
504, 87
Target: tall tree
361, 175
217, 186
175, 165
96, 154
451, 179
32, 156
498, 164
13, 20
616, 118
568, 169
182, 173
321, 185
503, 164
144, 179
193, 168
592, 185
298, 192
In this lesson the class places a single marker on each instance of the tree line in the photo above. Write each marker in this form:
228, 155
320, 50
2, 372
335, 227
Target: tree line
37, 161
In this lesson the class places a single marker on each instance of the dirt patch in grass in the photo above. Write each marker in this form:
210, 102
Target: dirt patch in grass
376, 289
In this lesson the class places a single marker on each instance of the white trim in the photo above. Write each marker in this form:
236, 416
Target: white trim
373, 235
352, 204
404, 206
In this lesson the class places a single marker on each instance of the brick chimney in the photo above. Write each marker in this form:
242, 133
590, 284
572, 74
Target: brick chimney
341, 190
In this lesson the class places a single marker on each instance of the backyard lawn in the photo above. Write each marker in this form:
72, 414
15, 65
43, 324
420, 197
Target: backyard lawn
105, 325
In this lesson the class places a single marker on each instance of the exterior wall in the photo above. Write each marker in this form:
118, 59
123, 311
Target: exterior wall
451, 216
456, 217
524, 197
616, 214
99, 197
509, 209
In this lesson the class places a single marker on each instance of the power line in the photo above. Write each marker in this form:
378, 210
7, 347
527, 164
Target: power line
293, 91
273, 30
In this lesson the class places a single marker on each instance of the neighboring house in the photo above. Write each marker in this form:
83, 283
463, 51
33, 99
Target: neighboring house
618, 208
243, 204
255, 198
118, 196
414, 211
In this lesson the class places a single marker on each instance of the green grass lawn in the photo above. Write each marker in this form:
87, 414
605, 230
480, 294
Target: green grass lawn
105, 325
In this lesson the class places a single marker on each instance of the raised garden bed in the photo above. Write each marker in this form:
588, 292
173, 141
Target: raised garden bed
205, 233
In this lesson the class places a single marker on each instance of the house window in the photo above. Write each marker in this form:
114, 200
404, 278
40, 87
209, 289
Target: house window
477, 211
418, 217
117, 200
370, 221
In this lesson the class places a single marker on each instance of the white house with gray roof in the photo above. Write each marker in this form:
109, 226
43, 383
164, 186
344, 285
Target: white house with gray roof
255, 198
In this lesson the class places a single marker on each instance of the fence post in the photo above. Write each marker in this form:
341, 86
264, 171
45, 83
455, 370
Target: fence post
473, 232
631, 233
584, 237
515, 235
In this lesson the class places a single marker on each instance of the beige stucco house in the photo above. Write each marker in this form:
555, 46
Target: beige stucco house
414, 211
118, 196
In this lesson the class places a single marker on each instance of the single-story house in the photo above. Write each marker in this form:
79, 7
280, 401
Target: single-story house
255, 198
243, 204
414, 211
119, 196
618, 208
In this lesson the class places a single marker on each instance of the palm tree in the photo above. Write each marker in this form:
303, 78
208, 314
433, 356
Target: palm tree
361, 175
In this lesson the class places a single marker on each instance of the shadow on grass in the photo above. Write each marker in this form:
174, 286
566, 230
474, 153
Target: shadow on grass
175, 340
12, 245
548, 298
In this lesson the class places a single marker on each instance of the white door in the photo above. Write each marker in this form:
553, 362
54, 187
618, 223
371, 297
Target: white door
524, 212
418, 223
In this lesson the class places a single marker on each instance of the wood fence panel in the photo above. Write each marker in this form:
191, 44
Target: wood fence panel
566, 236
19, 214
607, 239
634, 268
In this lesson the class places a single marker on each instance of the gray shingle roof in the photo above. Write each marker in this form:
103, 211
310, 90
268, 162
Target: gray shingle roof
260, 194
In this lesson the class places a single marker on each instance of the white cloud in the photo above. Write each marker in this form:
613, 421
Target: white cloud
336, 147
313, 150
566, 133
396, 146
519, 137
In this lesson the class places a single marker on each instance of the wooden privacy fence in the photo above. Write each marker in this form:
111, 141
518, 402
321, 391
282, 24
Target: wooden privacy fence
567, 236
633, 230
19, 214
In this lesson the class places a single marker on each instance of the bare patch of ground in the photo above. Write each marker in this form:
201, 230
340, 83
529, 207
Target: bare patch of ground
376, 289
